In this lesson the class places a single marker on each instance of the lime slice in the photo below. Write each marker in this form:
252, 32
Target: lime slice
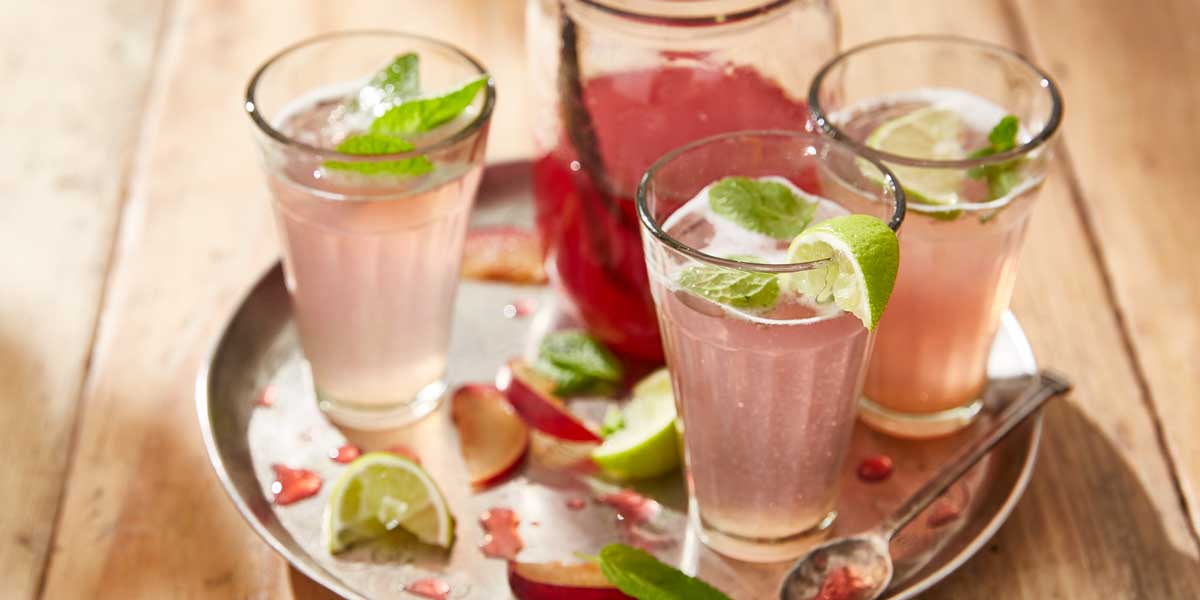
930, 133
380, 492
866, 255
648, 444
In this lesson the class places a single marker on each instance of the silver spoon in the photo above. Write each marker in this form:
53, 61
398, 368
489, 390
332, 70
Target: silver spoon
866, 554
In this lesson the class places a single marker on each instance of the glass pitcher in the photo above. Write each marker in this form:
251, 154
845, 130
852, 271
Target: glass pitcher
617, 84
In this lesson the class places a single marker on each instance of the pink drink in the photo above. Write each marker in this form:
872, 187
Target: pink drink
969, 204
956, 278
767, 398
372, 231
372, 266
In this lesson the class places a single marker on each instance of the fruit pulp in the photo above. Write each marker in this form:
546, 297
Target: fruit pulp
767, 399
590, 230
956, 276
371, 262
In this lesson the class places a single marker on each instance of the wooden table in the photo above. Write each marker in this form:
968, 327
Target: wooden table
135, 216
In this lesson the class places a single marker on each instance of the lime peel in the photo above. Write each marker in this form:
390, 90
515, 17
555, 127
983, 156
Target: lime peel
379, 492
865, 257
647, 444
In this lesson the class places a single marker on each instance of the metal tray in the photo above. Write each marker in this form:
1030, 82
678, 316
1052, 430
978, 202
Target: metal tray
258, 348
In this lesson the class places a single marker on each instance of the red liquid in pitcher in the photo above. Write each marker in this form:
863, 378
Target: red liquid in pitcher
593, 240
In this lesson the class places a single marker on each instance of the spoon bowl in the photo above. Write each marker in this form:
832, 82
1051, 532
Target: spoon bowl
849, 568
859, 567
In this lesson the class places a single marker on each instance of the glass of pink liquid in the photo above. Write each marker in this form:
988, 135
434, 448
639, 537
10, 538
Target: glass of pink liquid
371, 260
624, 81
958, 263
767, 397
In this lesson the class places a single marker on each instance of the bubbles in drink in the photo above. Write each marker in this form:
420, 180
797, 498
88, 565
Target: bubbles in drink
977, 114
695, 224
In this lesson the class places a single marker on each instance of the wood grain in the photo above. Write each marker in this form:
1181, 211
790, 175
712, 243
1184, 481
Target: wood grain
70, 121
144, 516
1101, 456
1132, 77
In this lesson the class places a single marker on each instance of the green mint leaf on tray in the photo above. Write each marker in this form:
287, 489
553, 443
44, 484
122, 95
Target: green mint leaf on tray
577, 363
368, 144
767, 207
1003, 177
638, 574
739, 289
416, 116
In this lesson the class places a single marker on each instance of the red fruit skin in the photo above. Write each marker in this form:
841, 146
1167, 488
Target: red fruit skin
875, 468
529, 394
481, 448
556, 581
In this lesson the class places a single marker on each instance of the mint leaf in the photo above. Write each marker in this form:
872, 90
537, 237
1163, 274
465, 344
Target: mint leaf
401, 79
1003, 136
396, 82
1003, 177
415, 116
577, 363
568, 382
638, 574
767, 207
369, 144
739, 289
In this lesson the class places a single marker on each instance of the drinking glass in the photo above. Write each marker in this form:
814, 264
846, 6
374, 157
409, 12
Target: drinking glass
371, 260
767, 399
958, 261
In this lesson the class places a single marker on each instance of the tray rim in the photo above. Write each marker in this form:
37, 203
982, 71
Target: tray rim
331, 581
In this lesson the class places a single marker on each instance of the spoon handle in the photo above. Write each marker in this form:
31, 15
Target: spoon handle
1048, 384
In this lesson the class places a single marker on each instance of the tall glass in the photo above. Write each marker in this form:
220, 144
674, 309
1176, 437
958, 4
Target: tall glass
959, 260
767, 398
371, 260
620, 83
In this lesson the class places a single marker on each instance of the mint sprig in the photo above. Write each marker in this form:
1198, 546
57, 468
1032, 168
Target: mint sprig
393, 84
1002, 177
396, 85
369, 144
638, 574
416, 116
731, 287
767, 207
577, 364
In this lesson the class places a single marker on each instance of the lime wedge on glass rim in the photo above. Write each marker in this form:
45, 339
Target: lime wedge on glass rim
859, 279
931, 133
380, 492
647, 444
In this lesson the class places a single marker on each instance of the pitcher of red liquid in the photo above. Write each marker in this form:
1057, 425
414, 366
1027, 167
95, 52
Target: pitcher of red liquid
617, 84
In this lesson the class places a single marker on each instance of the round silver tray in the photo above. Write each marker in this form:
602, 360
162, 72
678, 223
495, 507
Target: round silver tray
259, 348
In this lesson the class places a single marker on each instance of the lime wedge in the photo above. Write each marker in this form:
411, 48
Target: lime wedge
647, 445
866, 256
930, 133
380, 492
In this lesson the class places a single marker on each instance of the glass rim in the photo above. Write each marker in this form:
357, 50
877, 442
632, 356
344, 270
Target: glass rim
463, 133
649, 223
694, 13
1043, 136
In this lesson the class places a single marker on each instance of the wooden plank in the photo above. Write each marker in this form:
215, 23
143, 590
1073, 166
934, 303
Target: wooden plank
75, 78
1131, 73
144, 517
1101, 518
